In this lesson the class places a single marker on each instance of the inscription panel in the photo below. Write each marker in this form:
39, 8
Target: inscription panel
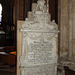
41, 49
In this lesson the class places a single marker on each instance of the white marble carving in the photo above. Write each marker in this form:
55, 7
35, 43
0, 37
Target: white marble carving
39, 34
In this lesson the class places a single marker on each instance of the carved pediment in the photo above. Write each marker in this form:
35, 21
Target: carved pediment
39, 24
39, 19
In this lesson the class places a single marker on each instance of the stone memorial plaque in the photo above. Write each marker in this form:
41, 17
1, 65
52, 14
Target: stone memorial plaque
39, 34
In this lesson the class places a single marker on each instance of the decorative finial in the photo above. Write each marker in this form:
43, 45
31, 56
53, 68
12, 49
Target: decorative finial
47, 5
41, 1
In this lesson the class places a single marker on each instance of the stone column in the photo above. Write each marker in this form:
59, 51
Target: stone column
63, 22
73, 21
70, 29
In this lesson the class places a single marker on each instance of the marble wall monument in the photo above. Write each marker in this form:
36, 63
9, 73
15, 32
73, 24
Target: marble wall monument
39, 34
